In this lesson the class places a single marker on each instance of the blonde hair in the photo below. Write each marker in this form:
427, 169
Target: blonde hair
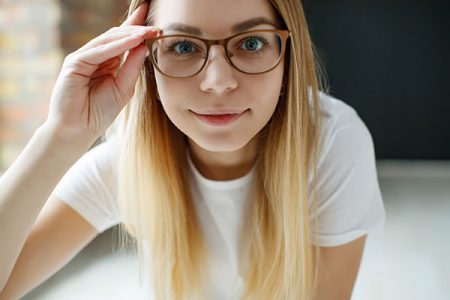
156, 201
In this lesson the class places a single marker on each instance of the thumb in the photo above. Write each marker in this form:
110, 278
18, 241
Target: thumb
130, 70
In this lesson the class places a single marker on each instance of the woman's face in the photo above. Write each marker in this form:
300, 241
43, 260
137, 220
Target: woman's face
218, 87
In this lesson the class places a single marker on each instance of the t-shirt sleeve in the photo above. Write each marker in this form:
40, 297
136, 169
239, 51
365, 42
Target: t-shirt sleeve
349, 202
89, 186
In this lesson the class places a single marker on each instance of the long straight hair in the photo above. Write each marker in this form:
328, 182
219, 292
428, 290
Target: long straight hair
156, 202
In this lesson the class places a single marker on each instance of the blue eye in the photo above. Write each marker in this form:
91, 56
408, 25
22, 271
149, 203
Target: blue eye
184, 48
253, 44
181, 47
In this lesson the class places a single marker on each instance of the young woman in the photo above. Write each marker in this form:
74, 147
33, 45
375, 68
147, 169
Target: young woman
238, 177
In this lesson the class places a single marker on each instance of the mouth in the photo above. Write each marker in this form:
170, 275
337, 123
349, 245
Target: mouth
219, 118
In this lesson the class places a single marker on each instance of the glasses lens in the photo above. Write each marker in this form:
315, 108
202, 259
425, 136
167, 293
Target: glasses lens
255, 52
179, 56
250, 52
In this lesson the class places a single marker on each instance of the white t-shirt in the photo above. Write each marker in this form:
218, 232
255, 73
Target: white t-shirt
350, 203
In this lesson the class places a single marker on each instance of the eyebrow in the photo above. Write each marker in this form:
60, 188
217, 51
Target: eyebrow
239, 27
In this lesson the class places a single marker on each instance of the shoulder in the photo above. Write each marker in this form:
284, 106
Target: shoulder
349, 202
109, 147
338, 115
104, 156
90, 186
97, 169
342, 129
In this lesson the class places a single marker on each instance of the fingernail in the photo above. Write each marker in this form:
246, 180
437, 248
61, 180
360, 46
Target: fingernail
154, 30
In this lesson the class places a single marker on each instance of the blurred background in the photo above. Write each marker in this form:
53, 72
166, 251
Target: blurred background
390, 60
387, 59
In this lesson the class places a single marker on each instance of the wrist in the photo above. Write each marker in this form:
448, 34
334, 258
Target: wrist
60, 138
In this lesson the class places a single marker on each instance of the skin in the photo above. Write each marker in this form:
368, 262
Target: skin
219, 152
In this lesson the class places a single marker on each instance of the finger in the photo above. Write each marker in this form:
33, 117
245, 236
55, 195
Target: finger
111, 63
130, 70
102, 53
115, 34
138, 16
107, 68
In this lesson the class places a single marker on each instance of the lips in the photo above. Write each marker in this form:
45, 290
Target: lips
219, 118
220, 112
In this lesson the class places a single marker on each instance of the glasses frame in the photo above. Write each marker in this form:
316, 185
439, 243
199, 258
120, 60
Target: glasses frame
284, 34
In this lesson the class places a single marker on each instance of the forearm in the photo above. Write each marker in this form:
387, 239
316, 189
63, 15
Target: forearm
338, 270
26, 186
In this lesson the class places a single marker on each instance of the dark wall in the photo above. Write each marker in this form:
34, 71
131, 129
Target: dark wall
390, 61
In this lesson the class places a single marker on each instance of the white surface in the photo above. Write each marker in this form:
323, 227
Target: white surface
410, 260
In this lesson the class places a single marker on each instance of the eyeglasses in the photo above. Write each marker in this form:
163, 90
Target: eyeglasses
250, 52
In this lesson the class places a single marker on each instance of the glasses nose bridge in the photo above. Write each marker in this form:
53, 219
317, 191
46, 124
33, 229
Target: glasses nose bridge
222, 42
216, 42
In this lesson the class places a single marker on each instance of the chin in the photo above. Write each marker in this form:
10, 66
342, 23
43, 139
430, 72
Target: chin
221, 144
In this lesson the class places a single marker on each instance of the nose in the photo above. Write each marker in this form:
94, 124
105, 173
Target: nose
218, 74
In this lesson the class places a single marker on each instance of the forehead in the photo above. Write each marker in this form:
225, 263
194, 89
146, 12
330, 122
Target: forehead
212, 17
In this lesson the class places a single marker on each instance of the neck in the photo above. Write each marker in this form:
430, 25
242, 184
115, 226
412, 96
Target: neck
223, 165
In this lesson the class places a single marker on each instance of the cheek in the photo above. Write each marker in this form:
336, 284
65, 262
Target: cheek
166, 96
266, 89
161, 84
174, 90
169, 94
174, 97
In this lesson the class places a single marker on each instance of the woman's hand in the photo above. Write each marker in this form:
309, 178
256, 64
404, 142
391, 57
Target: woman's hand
92, 87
